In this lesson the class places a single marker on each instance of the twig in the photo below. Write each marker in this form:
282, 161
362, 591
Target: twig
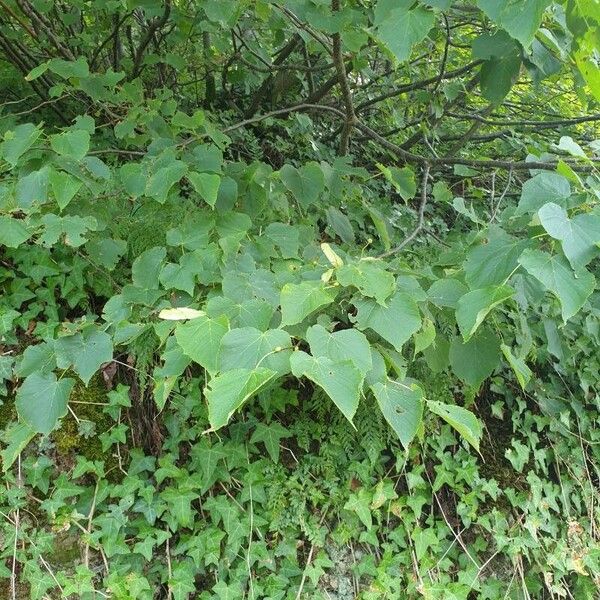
13, 574
497, 206
421, 218
304, 573
338, 60
86, 553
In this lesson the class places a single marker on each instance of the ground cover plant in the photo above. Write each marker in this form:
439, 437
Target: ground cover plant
298, 299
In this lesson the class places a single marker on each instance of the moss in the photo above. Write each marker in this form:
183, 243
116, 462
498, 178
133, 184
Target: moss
8, 412
87, 404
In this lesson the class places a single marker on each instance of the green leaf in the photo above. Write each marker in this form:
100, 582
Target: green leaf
42, 400
518, 365
229, 390
306, 184
502, 64
473, 307
64, 187
133, 179
360, 503
340, 224
299, 300
85, 352
181, 276
382, 227
571, 288
180, 504
402, 28
147, 266
579, 236
207, 185
346, 344
395, 322
200, 339
369, 277
13, 232
520, 19
16, 437
106, 252
425, 337
402, 179
475, 360
32, 189
542, 188
285, 237
248, 348
463, 420
73, 227
341, 380
67, 68
491, 263
17, 141
73, 144
446, 292
271, 436
161, 182
402, 407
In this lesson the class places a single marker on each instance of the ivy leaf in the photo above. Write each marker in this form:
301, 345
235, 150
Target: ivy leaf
73, 144
13, 232
395, 323
161, 182
200, 339
360, 503
491, 263
347, 344
85, 352
579, 236
476, 359
542, 188
207, 185
299, 300
571, 288
16, 437
402, 28
520, 20
306, 183
463, 420
229, 390
402, 407
341, 380
473, 307
248, 348
42, 400
180, 504
369, 278
521, 370
271, 436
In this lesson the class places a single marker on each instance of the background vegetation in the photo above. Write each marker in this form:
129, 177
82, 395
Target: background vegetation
298, 299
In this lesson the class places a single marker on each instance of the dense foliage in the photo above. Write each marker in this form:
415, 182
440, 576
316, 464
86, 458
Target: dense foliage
298, 299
